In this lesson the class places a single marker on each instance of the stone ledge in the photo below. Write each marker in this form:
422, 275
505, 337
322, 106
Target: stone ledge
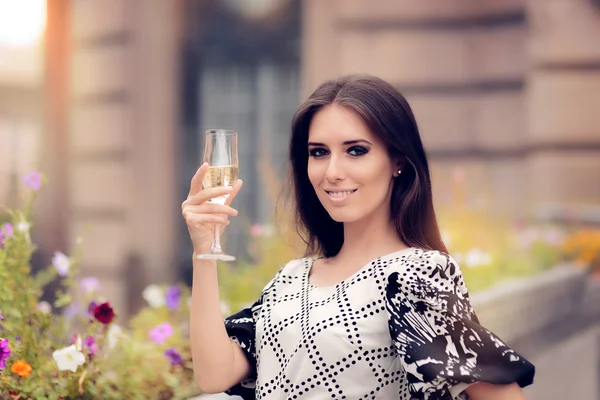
525, 307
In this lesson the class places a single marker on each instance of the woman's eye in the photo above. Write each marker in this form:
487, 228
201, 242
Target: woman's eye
357, 151
317, 152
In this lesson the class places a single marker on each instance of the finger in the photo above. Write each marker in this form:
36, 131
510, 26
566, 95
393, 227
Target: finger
197, 179
234, 192
211, 208
206, 194
197, 219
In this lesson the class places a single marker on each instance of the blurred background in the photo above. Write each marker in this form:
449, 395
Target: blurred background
109, 100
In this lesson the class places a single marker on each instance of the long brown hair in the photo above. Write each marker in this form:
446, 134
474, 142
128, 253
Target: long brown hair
389, 116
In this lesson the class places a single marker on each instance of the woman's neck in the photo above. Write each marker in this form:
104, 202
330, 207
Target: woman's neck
369, 238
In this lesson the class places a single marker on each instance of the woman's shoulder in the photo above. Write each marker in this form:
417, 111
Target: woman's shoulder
294, 269
436, 267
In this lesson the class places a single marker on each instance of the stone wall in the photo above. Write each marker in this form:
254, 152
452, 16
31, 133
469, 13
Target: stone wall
504, 91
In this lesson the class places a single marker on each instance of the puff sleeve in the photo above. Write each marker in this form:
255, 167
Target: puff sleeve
437, 335
241, 328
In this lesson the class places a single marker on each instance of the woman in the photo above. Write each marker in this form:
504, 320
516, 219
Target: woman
382, 310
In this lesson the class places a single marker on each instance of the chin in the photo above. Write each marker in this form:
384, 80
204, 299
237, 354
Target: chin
343, 217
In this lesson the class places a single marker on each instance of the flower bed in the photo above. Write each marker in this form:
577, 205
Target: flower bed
72, 348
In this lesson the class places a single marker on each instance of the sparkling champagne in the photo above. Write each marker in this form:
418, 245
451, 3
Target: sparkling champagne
222, 175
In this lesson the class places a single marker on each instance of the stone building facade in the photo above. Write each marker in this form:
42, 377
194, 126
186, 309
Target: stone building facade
506, 90
506, 93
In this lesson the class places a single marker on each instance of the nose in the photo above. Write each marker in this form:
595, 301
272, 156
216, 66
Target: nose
334, 171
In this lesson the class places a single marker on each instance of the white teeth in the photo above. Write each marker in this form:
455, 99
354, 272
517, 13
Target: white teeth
340, 194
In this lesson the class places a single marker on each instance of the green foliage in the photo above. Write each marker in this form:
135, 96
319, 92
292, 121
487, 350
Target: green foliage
491, 249
119, 363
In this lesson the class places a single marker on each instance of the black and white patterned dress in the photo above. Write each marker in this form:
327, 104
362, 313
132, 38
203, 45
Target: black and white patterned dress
399, 328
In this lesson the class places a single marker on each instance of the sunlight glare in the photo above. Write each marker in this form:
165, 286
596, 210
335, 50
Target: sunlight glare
22, 22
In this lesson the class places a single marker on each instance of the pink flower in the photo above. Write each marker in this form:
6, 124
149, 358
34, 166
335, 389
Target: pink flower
256, 230
90, 344
90, 284
33, 180
161, 332
8, 230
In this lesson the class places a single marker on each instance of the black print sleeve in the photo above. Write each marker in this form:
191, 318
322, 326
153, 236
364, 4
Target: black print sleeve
437, 335
241, 328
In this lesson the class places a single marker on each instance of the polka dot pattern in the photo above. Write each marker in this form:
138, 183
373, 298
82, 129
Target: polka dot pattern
383, 333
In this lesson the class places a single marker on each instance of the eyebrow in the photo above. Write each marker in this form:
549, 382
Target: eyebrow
347, 142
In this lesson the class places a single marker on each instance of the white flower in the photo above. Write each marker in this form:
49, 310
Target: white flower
44, 307
154, 295
78, 343
476, 258
23, 226
62, 263
113, 335
68, 358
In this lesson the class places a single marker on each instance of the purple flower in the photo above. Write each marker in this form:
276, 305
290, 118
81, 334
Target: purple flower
173, 297
91, 307
173, 356
71, 311
4, 353
161, 332
90, 344
33, 180
8, 230
90, 284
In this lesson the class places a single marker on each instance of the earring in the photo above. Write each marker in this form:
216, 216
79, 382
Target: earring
399, 172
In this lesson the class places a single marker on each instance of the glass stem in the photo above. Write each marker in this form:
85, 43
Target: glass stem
215, 248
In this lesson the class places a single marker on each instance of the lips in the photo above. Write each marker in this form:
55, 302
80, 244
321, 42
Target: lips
339, 194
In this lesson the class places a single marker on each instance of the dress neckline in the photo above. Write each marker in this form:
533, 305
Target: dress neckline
349, 278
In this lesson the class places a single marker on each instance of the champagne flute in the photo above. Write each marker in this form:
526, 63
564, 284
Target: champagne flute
221, 154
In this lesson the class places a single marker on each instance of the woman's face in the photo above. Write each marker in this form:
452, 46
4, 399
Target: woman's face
348, 165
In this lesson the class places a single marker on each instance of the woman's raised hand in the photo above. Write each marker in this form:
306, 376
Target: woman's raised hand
200, 214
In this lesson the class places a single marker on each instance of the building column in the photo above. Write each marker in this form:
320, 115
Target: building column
52, 206
123, 136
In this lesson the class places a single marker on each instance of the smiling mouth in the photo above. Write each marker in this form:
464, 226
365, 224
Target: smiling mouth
338, 194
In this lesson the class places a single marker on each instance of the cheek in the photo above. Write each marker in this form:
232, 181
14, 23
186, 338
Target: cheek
313, 173
374, 174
